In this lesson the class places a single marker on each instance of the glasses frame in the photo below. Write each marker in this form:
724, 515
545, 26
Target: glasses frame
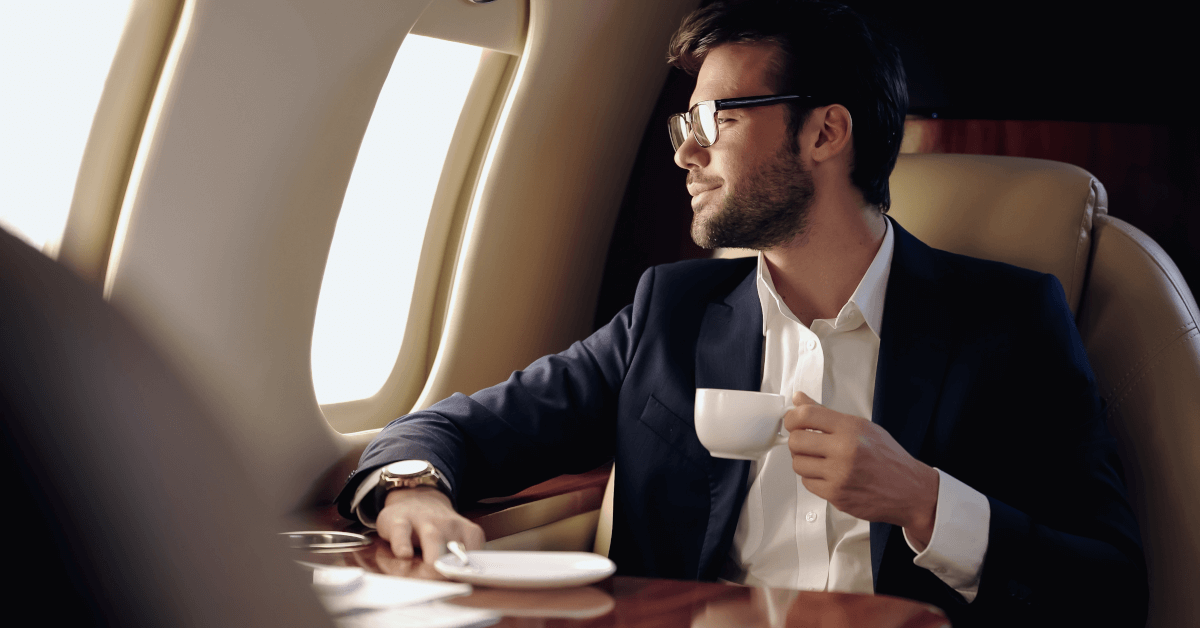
690, 119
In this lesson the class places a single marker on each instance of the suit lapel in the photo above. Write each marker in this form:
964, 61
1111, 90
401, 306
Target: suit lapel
912, 357
729, 349
728, 355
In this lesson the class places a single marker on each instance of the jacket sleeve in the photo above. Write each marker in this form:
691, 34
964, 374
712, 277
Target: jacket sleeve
556, 416
1065, 548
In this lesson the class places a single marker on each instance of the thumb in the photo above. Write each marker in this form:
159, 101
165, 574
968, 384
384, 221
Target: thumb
801, 399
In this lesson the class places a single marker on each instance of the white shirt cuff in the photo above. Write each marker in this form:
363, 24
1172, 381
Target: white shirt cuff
960, 536
366, 488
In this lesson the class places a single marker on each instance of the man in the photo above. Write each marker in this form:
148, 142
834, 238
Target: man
948, 443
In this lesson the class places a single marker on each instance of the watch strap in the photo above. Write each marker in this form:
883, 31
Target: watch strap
384, 486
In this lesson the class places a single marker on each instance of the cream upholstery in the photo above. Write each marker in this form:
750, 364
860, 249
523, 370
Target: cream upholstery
1138, 321
1029, 212
1136, 316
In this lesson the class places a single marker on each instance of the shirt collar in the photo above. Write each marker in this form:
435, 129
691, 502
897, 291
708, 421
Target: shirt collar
867, 298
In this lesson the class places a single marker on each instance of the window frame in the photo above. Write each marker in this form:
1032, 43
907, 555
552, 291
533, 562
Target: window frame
440, 249
122, 115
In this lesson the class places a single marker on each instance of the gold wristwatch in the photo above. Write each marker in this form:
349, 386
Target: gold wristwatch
410, 474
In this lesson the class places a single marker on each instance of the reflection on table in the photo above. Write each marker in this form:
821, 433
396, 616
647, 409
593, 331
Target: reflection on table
651, 602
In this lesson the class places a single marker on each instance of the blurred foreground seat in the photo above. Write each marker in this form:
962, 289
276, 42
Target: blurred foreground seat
126, 506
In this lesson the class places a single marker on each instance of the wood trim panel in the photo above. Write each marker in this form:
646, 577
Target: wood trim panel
553, 500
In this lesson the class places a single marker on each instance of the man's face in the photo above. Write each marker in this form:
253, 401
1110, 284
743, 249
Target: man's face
749, 189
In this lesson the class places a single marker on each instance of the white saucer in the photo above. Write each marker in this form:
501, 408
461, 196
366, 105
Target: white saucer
527, 570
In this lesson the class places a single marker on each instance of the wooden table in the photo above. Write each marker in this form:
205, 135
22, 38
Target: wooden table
632, 602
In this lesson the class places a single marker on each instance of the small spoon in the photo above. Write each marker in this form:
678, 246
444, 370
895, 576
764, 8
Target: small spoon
458, 550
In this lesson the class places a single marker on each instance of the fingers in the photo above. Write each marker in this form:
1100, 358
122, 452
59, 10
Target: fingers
400, 535
801, 399
433, 543
424, 518
816, 486
804, 406
393, 565
809, 467
812, 416
806, 443
472, 536
433, 538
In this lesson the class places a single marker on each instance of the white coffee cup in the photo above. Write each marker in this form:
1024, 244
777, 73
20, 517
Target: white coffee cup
740, 424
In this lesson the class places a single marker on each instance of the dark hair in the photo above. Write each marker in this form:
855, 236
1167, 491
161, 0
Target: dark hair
828, 52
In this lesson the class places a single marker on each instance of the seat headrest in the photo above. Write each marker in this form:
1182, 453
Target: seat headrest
1032, 213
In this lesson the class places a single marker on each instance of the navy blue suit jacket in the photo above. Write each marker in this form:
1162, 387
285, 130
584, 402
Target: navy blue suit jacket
981, 373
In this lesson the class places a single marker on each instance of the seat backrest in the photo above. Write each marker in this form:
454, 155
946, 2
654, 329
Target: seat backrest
1032, 213
1138, 320
126, 503
1136, 316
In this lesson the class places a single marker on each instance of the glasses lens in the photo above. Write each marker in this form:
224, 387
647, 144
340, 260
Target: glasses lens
704, 123
677, 126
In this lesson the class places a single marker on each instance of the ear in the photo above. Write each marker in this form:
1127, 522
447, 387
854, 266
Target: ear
834, 128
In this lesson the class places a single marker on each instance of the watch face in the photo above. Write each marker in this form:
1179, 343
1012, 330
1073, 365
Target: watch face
406, 468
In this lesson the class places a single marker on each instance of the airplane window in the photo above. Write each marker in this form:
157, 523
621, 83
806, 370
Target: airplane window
54, 58
372, 264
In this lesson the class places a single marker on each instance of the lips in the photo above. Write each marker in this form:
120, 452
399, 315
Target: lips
697, 185
698, 190
699, 202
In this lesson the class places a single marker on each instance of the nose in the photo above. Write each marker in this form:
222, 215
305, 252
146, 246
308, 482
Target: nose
690, 154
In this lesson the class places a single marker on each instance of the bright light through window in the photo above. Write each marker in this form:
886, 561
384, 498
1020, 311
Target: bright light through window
54, 57
372, 263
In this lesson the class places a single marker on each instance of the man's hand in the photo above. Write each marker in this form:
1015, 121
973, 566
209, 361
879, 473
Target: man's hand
389, 564
859, 468
423, 517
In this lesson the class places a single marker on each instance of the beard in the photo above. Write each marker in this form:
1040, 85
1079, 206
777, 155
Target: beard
767, 210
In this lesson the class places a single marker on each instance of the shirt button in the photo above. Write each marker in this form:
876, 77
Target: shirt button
812, 344
810, 516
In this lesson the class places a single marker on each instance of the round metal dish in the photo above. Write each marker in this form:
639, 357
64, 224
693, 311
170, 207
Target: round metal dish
326, 540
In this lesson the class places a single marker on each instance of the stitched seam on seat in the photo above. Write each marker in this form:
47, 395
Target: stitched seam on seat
1171, 336
1080, 249
1160, 267
1112, 409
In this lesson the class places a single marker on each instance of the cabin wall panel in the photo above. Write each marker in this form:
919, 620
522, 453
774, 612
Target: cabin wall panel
225, 240
111, 149
530, 267
498, 25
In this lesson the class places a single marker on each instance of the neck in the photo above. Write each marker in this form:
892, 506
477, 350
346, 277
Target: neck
817, 272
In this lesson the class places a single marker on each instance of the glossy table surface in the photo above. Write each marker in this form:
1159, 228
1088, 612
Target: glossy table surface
645, 602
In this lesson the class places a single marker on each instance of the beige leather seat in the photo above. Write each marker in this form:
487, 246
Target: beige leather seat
1136, 315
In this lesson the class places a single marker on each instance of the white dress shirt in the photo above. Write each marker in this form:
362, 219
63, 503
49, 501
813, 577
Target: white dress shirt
788, 537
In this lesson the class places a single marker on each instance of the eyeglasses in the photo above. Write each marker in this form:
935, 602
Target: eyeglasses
701, 119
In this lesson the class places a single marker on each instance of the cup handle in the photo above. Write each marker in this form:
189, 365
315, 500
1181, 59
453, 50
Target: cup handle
782, 438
